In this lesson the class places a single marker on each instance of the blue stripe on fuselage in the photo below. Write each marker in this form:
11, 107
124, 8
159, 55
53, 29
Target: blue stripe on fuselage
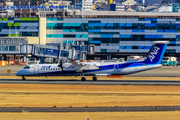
106, 68
120, 66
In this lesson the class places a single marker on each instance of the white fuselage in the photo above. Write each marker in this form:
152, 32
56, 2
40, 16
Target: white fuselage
87, 69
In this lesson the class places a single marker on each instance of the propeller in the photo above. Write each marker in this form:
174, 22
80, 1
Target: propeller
61, 65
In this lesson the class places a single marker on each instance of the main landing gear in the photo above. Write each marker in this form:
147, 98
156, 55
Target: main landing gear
23, 78
94, 78
84, 79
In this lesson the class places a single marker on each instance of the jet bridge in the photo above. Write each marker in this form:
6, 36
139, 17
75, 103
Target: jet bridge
37, 50
56, 51
14, 49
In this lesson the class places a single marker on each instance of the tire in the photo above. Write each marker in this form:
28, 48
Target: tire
83, 79
94, 78
23, 78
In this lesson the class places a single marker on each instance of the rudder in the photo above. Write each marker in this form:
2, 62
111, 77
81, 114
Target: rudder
156, 52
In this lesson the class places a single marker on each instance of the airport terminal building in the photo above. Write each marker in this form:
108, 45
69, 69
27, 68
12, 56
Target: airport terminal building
114, 34
118, 33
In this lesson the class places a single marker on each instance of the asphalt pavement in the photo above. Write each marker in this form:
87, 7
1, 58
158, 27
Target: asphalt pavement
90, 82
90, 109
167, 71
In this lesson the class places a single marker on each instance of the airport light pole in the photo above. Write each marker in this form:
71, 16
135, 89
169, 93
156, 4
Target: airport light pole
29, 4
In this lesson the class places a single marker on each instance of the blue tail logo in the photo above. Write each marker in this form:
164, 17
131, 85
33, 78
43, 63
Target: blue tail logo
153, 53
156, 53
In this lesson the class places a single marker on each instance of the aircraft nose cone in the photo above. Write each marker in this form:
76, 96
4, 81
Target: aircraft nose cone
18, 73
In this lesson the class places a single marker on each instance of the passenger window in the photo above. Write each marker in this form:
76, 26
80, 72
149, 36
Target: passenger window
53, 68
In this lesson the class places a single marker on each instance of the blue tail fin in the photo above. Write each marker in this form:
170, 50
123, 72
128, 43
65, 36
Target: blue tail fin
156, 52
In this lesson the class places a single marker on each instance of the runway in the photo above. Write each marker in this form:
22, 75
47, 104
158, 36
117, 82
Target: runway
90, 82
91, 109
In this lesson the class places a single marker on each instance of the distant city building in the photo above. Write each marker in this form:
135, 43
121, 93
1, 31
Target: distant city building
56, 3
101, 5
120, 7
166, 8
86, 5
9, 12
130, 2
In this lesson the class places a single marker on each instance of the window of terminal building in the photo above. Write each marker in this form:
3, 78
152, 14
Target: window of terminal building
134, 47
177, 39
68, 35
103, 50
4, 48
170, 51
0, 48
64, 53
13, 48
171, 45
93, 21
29, 34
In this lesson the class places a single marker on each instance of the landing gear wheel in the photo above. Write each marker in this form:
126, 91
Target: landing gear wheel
83, 79
94, 78
23, 78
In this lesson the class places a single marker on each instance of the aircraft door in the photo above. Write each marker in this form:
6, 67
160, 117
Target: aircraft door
36, 70
116, 67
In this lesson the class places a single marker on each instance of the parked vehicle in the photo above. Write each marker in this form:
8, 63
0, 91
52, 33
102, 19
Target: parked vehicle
32, 61
133, 58
169, 61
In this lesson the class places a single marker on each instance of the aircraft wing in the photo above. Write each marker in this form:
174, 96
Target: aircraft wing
85, 66
79, 64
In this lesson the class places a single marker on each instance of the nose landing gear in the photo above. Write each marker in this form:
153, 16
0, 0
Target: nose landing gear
23, 78
94, 78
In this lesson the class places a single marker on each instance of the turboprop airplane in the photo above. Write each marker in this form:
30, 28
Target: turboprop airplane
98, 68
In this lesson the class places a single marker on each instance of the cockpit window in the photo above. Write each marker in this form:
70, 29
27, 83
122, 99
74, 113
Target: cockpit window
27, 67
